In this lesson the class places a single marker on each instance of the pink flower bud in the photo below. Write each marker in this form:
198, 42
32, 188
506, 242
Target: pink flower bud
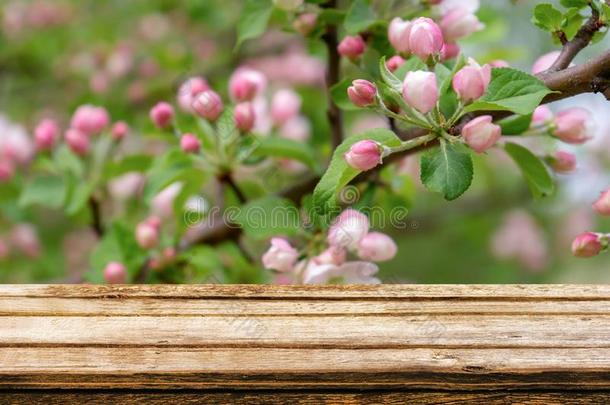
163, 203
587, 244
562, 161
189, 90
362, 93
297, 129
420, 90
499, 63
348, 229
542, 114
77, 141
244, 116
425, 38
45, 134
189, 143
332, 255
481, 134
450, 50
119, 130
305, 23
571, 125
458, 23
246, 83
115, 273
162, 114
377, 247
147, 233
7, 170
364, 155
351, 47
90, 119
471, 81
208, 105
25, 238
394, 63
280, 256
284, 106
544, 62
602, 205
398, 34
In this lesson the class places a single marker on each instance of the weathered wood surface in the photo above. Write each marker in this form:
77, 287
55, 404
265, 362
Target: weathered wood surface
356, 344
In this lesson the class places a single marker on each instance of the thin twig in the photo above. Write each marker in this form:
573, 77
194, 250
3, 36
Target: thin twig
96, 216
335, 116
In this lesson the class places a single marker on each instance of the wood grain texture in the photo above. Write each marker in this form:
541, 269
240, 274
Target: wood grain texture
394, 344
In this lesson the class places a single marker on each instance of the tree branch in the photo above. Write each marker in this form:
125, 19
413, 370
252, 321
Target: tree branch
96, 217
335, 117
582, 38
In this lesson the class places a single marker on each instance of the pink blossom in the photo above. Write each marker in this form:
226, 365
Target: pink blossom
25, 238
481, 134
377, 247
7, 170
126, 186
162, 114
544, 62
297, 129
244, 116
305, 23
471, 81
349, 272
77, 141
119, 130
285, 105
398, 34
394, 63
46, 134
450, 50
542, 114
189, 143
115, 273
364, 155
362, 93
147, 233
208, 105
588, 244
425, 38
89, 119
571, 125
281, 256
332, 255
458, 23
563, 161
348, 229
162, 204
420, 90
499, 63
246, 83
602, 204
351, 47
189, 90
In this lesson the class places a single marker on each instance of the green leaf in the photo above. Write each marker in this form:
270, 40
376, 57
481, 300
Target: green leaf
132, 163
47, 191
253, 20
388, 77
511, 90
547, 17
338, 93
339, 173
572, 21
267, 217
515, 124
173, 166
574, 3
77, 194
286, 148
447, 169
411, 64
359, 17
535, 172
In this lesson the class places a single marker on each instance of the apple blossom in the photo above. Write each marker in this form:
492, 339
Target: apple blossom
420, 90
602, 204
499, 63
588, 244
364, 155
544, 62
162, 114
450, 50
348, 229
77, 141
147, 233
281, 256
126, 186
297, 129
356, 272
208, 105
332, 255
7, 170
362, 93
394, 63
398, 34
481, 134
25, 238
90, 119
305, 23
571, 125
115, 273
377, 247
189, 90
285, 105
162, 204
46, 134
562, 161
189, 143
458, 23
246, 83
425, 38
244, 116
351, 47
471, 81
542, 114
119, 130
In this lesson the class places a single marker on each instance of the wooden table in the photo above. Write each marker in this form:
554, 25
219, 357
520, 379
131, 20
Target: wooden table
536, 344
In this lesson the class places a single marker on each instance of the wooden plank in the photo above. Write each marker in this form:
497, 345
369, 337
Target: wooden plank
450, 338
